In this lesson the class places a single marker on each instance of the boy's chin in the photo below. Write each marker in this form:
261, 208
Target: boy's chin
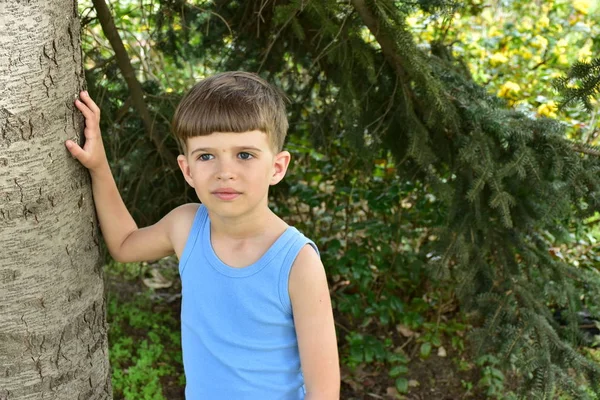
225, 209
231, 210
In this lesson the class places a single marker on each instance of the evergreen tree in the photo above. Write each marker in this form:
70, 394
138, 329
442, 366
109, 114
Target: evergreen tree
506, 180
509, 183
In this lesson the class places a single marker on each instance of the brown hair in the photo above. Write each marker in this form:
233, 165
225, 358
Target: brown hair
232, 102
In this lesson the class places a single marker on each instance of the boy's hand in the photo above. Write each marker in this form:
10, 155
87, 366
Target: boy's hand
92, 156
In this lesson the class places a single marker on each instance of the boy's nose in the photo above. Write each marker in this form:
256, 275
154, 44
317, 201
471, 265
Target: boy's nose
224, 175
225, 171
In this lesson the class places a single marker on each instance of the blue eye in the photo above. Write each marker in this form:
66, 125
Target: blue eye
245, 156
205, 157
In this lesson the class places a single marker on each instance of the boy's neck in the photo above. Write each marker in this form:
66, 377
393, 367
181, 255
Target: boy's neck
247, 226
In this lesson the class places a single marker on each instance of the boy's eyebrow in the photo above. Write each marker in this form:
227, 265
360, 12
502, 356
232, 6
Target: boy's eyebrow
209, 149
202, 149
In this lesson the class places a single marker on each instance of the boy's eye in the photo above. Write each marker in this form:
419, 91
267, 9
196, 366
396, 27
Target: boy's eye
205, 157
245, 156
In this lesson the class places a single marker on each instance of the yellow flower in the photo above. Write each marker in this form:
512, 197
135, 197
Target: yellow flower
494, 32
585, 53
562, 43
543, 22
509, 90
539, 42
427, 35
526, 24
488, 16
563, 60
582, 6
548, 109
412, 21
497, 59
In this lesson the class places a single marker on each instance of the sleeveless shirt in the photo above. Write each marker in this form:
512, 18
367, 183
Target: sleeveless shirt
237, 328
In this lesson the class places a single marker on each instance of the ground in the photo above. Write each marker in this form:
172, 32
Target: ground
158, 287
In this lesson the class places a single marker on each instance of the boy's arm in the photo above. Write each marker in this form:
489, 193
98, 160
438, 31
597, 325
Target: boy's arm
124, 240
315, 329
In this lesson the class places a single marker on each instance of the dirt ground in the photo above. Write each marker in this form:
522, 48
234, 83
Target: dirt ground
437, 378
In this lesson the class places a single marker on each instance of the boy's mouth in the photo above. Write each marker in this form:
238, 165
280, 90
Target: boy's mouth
226, 193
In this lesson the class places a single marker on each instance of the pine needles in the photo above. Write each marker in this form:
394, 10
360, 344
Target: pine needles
581, 84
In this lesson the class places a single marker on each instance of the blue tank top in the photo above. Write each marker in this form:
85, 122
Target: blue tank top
237, 329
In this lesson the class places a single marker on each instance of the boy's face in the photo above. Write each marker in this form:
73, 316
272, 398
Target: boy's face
232, 172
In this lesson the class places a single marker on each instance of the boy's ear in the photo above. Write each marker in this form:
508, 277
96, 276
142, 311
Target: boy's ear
185, 169
280, 166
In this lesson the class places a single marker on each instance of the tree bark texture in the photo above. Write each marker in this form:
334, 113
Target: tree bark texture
53, 331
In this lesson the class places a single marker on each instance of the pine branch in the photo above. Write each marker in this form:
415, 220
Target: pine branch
586, 149
407, 60
581, 83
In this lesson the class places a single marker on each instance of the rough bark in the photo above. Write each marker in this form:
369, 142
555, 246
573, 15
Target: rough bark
53, 332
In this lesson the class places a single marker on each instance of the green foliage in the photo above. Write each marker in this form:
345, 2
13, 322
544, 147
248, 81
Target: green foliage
492, 379
415, 180
139, 364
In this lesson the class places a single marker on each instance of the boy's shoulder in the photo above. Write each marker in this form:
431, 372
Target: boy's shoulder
185, 212
181, 220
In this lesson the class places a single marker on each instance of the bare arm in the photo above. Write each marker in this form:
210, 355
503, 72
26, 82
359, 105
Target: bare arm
124, 240
315, 329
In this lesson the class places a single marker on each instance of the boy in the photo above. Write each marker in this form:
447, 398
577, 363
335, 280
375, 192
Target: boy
256, 316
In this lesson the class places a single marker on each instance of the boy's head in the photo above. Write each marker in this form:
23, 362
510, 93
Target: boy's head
234, 101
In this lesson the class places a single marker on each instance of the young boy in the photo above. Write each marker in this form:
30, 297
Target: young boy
256, 318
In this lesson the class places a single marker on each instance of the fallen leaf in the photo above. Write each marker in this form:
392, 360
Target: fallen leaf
441, 352
404, 331
392, 392
157, 281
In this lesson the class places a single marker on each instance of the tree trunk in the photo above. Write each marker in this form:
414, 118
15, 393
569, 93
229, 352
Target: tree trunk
53, 332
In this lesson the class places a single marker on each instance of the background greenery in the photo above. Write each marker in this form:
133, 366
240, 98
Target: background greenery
457, 263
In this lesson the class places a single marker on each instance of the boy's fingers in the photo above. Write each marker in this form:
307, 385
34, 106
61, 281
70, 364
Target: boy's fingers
90, 133
85, 97
85, 110
76, 151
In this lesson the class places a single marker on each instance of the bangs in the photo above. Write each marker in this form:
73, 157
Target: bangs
227, 114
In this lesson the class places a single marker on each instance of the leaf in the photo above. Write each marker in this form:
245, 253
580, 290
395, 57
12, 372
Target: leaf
425, 350
402, 385
496, 373
398, 370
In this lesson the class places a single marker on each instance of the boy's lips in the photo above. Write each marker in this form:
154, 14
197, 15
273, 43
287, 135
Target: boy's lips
226, 193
